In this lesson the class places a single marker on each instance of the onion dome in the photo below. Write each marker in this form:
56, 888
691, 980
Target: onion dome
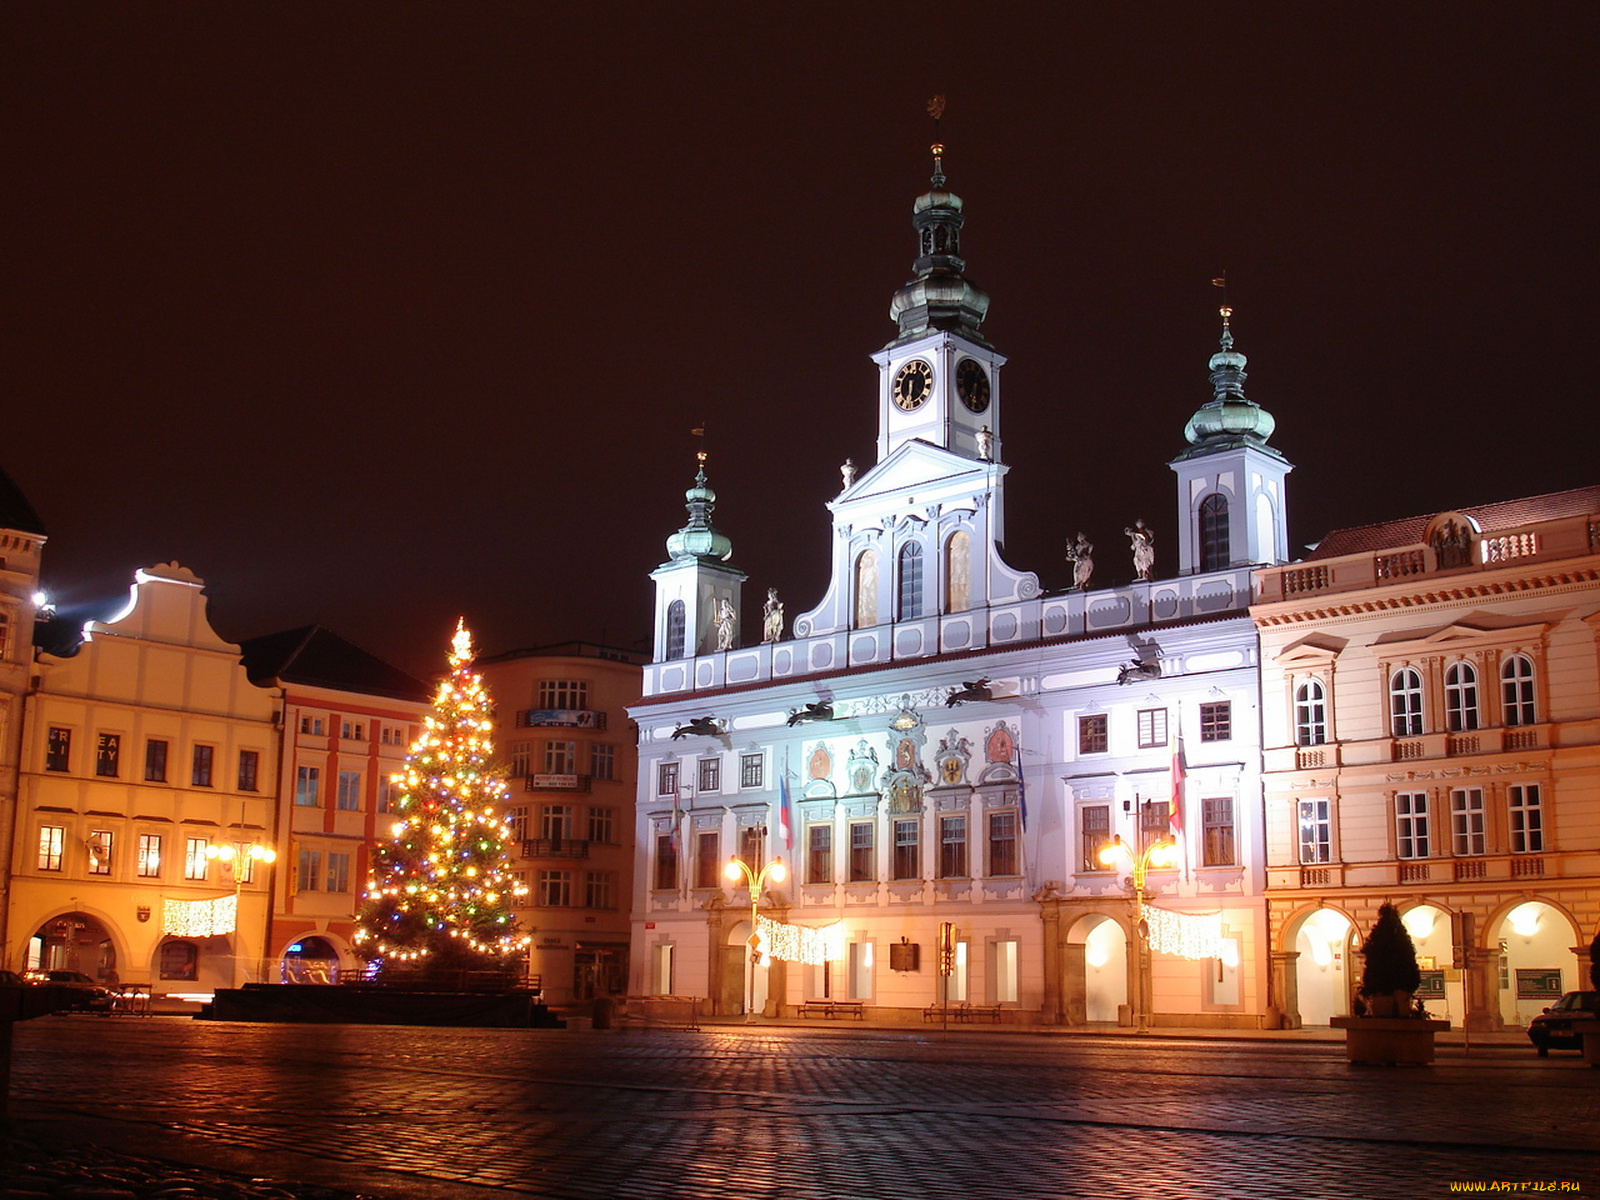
1229, 419
939, 297
699, 538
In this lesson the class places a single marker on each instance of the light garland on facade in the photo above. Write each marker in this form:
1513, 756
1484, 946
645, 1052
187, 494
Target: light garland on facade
801, 943
1185, 934
200, 918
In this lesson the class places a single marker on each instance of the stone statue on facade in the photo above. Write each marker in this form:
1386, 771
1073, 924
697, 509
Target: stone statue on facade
1142, 540
986, 444
725, 623
847, 471
772, 618
1081, 555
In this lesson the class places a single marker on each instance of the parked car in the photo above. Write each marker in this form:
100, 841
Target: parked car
10, 979
1561, 1026
95, 998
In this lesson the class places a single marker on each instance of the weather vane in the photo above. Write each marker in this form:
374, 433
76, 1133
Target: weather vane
1221, 281
700, 455
936, 111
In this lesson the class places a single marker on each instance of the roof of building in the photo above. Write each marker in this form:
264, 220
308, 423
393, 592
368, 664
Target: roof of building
15, 511
1489, 518
318, 657
574, 649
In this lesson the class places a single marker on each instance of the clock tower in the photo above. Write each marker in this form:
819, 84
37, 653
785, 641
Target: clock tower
939, 379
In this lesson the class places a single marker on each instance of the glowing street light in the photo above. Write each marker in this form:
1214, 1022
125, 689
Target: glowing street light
738, 869
242, 860
1158, 854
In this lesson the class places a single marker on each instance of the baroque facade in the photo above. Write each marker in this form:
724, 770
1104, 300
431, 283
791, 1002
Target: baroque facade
939, 751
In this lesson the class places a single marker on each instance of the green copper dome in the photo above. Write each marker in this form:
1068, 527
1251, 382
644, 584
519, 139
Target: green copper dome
1228, 419
940, 297
699, 538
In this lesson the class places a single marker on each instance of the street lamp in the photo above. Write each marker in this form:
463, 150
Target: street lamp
1157, 854
736, 869
242, 860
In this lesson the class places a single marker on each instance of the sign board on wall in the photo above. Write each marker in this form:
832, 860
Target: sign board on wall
1539, 983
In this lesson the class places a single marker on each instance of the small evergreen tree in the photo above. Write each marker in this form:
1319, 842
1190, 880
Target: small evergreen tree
1391, 958
439, 893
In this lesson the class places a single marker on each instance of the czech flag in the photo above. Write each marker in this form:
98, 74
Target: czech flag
1175, 809
785, 820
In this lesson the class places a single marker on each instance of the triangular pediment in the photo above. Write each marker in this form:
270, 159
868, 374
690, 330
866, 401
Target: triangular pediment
1474, 629
913, 466
1313, 648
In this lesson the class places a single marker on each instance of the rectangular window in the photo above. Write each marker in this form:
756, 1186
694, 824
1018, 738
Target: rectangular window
750, 773
51, 839
561, 758
195, 862
556, 824
307, 786
907, 850
1092, 734
708, 859
108, 755
1216, 721
58, 749
862, 852
149, 856
753, 847
555, 889
1411, 824
602, 825
1316, 832
667, 779
1003, 843
155, 761
710, 774
819, 853
310, 878
244, 866
1094, 825
1468, 828
200, 773
100, 843
311, 725
666, 863
517, 822
1527, 824
566, 694
603, 760
859, 965
349, 796
338, 872
1216, 815
1003, 972
521, 755
953, 847
388, 794
249, 769
352, 732
597, 889
1152, 728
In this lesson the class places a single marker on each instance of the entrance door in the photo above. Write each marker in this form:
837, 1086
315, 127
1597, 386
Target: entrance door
733, 969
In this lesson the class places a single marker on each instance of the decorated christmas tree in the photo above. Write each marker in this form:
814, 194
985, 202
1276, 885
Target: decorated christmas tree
439, 893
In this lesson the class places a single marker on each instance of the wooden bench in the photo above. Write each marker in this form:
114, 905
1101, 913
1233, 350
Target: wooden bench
833, 1008
964, 1011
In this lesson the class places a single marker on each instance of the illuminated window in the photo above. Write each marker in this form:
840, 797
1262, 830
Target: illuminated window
349, 796
155, 761
957, 570
1411, 824
307, 786
1316, 832
195, 862
1460, 697
1094, 825
1405, 702
58, 749
1467, 822
249, 767
1527, 822
1214, 552
1216, 815
866, 590
952, 847
388, 794
51, 839
1310, 714
675, 629
1093, 735
819, 853
1516, 691
910, 581
859, 966
108, 755
100, 844
1152, 728
863, 857
149, 856
907, 862
1216, 721
1003, 843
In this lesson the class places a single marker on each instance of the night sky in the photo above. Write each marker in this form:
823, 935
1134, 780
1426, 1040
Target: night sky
377, 314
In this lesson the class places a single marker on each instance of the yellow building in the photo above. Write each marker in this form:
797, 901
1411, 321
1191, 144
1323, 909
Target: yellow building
1431, 735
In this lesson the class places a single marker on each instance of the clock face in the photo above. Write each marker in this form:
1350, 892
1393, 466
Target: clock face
913, 385
972, 384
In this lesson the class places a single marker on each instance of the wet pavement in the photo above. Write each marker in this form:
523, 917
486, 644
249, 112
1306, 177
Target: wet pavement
260, 1112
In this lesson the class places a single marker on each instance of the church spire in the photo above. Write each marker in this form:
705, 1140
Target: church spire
1228, 419
699, 538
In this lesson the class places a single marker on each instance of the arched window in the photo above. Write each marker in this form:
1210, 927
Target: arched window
180, 960
1461, 697
1214, 553
866, 590
1516, 691
675, 623
957, 572
1310, 714
1405, 702
910, 581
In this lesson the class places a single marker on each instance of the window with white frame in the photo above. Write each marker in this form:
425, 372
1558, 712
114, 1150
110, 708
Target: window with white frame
1316, 832
750, 772
710, 774
307, 786
863, 851
388, 795
602, 825
338, 876
597, 891
953, 847
517, 823
819, 852
667, 779
859, 965
1216, 721
1152, 728
149, 864
566, 694
1516, 691
603, 760
1461, 697
1526, 818
1405, 702
51, 839
1310, 714
556, 823
555, 889
349, 798
1094, 834
195, 861
1003, 962
561, 758
907, 863
100, 844
1468, 828
1411, 824
1093, 733
309, 876
521, 756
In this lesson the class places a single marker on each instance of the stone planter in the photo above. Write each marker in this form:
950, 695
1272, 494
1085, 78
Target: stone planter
1389, 1041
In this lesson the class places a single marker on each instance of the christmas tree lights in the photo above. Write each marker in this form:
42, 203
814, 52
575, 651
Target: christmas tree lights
439, 893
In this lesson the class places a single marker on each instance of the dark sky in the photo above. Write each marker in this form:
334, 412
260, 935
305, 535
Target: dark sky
377, 314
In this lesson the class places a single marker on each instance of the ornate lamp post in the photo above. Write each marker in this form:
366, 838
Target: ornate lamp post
1157, 854
241, 859
736, 869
